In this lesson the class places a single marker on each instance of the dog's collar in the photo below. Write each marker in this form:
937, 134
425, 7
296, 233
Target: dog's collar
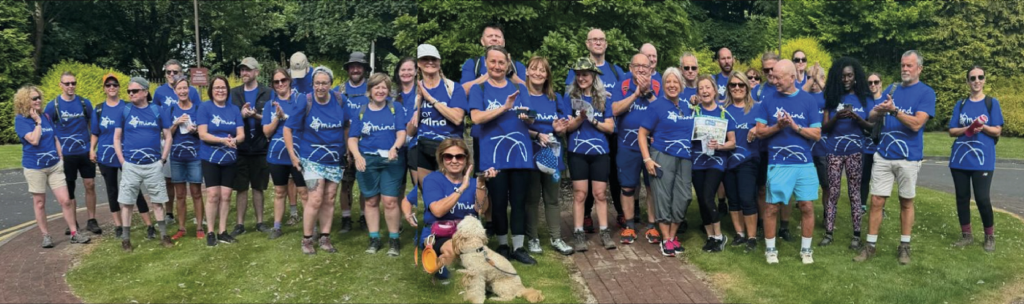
478, 250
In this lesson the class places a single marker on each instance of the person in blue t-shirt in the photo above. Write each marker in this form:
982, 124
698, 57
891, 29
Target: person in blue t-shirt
689, 69
725, 63
41, 159
71, 114
137, 144
182, 135
709, 166
253, 172
374, 141
789, 123
651, 53
845, 121
220, 132
802, 75
357, 68
288, 182
165, 94
767, 87
300, 73
320, 156
973, 156
740, 179
500, 108
904, 114
878, 95
629, 107
442, 109
355, 94
474, 71
815, 86
404, 78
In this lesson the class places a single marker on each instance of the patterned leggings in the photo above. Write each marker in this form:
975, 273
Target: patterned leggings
853, 165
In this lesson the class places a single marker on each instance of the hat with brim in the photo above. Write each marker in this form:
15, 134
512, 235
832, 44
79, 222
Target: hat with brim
586, 64
358, 58
426, 50
110, 76
298, 65
250, 63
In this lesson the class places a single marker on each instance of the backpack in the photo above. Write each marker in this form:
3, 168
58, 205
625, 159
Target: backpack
988, 105
309, 102
362, 109
344, 86
152, 107
655, 86
56, 107
476, 68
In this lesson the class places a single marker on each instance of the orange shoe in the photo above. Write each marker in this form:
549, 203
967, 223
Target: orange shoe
180, 234
627, 236
653, 237
200, 234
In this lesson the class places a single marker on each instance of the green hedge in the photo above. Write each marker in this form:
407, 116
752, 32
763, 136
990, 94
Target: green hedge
89, 78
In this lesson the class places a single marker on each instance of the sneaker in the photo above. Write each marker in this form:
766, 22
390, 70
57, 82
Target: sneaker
520, 255
239, 230
93, 227
751, 245
211, 240
772, 256
200, 234
827, 240
533, 246
561, 247
505, 251
394, 246
653, 236
325, 244
169, 218
709, 244
117, 231
720, 244
166, 242
307, 246
855, 243
806, 256
866, 252
606, 239
903, 254
261, 227
990, 243
621, 220
274, 233
668, 249
627, 236
362, 222
79, 238
679, 247
785, 235
225, 238
47, 241
126, 245
738, 240
346, 225
374, 246
588, 225
150, 232
580, 240
965, 240
292, 220
180, 234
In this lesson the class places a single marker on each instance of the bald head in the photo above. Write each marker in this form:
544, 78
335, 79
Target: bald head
725, 60
640, 66
651, 52
785, 75
596, 42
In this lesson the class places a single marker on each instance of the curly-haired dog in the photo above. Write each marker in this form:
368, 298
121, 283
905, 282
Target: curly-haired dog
485, 269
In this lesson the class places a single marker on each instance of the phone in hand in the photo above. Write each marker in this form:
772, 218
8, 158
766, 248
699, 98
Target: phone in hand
658, 172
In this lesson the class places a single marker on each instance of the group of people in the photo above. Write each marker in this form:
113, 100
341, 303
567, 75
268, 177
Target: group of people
778, 135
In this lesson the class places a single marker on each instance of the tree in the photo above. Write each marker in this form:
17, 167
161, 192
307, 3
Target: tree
333, 29
15, 53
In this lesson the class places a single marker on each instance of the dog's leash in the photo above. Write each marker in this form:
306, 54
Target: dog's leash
491, 262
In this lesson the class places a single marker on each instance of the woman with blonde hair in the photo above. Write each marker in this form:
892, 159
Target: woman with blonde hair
742, 166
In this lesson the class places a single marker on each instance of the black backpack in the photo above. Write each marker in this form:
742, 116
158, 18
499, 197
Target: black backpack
988, 105
56, 108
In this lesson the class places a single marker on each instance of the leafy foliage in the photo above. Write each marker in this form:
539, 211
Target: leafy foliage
16, 58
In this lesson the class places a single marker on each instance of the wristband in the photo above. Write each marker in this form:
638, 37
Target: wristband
647, 160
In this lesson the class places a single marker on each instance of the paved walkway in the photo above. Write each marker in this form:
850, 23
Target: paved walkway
32, 274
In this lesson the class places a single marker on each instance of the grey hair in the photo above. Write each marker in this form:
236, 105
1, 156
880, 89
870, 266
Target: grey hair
323, 70
171, 62
920, 60
769, 55
673, 71
687, 54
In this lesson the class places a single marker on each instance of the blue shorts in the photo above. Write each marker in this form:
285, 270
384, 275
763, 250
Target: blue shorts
630, 167
187, 172
381, 177
785, 181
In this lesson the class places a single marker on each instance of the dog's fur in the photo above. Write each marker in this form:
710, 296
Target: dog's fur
479, 276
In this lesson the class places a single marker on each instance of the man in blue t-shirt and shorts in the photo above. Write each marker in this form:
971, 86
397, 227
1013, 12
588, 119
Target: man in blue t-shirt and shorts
904, 114
71, 115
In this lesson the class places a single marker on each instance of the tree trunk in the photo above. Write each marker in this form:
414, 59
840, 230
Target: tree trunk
40, 23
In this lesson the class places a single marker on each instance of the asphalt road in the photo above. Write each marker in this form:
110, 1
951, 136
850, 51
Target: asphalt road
16, 201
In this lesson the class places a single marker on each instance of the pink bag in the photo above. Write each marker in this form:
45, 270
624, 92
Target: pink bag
444, 229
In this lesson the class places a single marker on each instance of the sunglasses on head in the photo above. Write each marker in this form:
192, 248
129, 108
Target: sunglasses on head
112, 85
134, 91
799, 59
976, 78
449, 157
70, 84
874, 82
690, 68
736, 85
280, 81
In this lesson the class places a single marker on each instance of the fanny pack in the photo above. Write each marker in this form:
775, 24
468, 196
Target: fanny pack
444, 229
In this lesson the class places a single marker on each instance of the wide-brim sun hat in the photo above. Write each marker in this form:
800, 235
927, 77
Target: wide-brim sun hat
585, 64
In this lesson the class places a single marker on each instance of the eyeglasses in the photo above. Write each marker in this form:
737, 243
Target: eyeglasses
37, 98
280, 81
220, 88
595, 40
70, 84
112, 85
874, 82
976, 78
134, 91
321, 84
737, 85
767, 71
754, 77
172, 72
640, 66
799, 59
690, 68
449, 157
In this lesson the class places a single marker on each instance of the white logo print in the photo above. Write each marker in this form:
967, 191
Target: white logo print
721, 90
135, 122
850, 139
369, 127
170, 101
185, 147
327, 152
103, 156
223, 149
217, 120
743, 126
904, 149
965, 120
46, 157
823, 141
634, 132
790, 152
431, 135
146, 155
70, 142
317, 124
517, 145
978, 153
493, 104
673, 116
594, 143
684, 144
715, 158
280, 140
106, 122
65, 115
739, 155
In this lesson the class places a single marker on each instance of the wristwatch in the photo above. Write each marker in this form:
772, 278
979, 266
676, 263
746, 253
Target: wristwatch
647, 95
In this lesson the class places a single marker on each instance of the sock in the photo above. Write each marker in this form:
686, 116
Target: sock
517, 241
375, 235
277, 225
805, 242
604, 227
163, 229
905, 239
125, 232
295, 210
325, 235
73, 233
719, 237
990, 230
872, 239
346, 213
742, 234
965, 229
503, 240
577, 229
631, 223
650, 225
769, 244
784, 226
856, 234
393, 235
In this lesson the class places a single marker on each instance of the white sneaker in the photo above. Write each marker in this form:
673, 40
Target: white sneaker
533, 246
561, 247
805, 255
772, 256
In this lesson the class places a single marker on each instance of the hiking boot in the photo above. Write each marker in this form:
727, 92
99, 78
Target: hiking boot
274, 233
47, 241
346, 225
679, 247
520, 255
772, 256
126, 245
533, 246
211, 240
606, 239
621, 220
79, 238
394, 246
855, 243
239, 230
903, 253
150, 232
168, 219
362, 222
785, 235
307, 246
166, 242
180, 234
93, 227
588, 224
965, 240
325, 244
866, 252
561, 247
67, 231
292, 220
708, 244
827, 240
261, 227
806, 255
990, 243
374, 246
225, 238
504, 251
653, 236
627, 236
580, 240
117, 231
668, 249
738, 240
751, 245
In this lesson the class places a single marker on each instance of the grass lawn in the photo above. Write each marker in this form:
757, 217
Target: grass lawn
939, 144
258, 270
10, 156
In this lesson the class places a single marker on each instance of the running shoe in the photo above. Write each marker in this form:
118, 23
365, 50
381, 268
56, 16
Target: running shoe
180, 234
627, 236
561, 247
533, 246
806, 255
653, 236
668, 249
772, 256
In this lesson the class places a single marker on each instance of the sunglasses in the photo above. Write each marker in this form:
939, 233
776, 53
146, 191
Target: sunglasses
754, 77
280, 81
737, 85
172, 72
134, 91
690, 68
112, 85
767, 71
37, 98
70, 84
799, 59
874, 82
449, 157
976, 78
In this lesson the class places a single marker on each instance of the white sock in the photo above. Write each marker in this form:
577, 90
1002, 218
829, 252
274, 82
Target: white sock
503, 239
517, 241
769, 244
872, 238
904, 239
346, 213
805, 242
742, 234
718, 237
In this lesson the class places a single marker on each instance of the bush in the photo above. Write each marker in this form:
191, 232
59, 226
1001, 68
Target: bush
1011, 100
89, 78
815, 53
16, 55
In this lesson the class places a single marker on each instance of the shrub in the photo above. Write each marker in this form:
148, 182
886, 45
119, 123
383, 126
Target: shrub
815, 53
89, 78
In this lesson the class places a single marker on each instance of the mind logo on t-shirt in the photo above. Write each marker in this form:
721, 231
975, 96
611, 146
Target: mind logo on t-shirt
106, 122
369, 127
136, 122
65, 115
170, 101
673, 116
317, 124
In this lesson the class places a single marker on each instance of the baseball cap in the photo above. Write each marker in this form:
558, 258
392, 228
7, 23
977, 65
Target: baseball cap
426, 50
250, 63
298, 65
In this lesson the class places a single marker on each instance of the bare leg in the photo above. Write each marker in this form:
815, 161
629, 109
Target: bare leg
212, 208
197, 204
279, 197
257, 204
769, 220
372, 213
906, 215
90, 196
225, 207
241, 203
180, 196
579, 194
807, 218
875, 214
312, 205
39, 206
392, 215
67, 207
327, 210
601, 202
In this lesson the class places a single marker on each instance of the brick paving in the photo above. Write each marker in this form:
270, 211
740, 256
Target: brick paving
32, 274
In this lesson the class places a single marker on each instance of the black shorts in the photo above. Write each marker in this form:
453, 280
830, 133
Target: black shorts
280, 174
410, 161
762, 170
821, 166
595, 168
426, 152
75, 165
253, 171
215, 175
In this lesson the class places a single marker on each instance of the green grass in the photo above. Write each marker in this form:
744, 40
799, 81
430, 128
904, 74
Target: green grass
937, 274
939, 144
10, 156
258, 270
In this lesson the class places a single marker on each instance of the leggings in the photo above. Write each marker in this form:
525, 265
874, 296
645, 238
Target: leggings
853, 165
110, 179
741, 187
982, 181
543, 186
509, 188
613, 182
868, 161
706, 183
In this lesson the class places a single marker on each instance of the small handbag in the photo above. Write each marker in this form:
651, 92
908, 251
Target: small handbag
444, 229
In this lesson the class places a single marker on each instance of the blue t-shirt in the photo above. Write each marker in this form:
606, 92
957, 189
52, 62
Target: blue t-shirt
468, 74
547, 112
978, 152
409, 103
165, 95
898, 141
820, 147
108, 119
505, 140
717, 161
352, 91
587, 139
277, 153
671, 127
184, 146
435, 188
435, 126
140, 130
722, 83
628, 123
654, 76
763, 90
40, 156
846, 137
303, 85
787, 147
221, 122
412, 196
608, 78
71, 124
744, 123
323, 131
799, 83
377, 129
